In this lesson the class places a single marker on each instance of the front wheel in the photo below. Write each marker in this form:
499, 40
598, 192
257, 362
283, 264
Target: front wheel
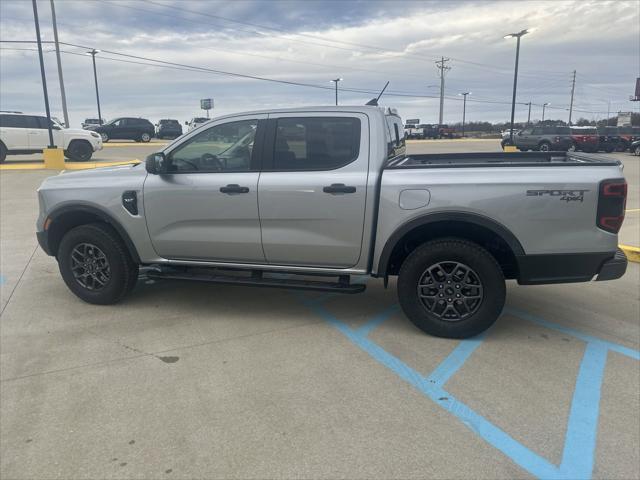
636, 151
79, 151
451, 288
105, 137
95, 264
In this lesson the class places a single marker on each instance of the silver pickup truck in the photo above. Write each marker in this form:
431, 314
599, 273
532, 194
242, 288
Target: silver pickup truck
307, 198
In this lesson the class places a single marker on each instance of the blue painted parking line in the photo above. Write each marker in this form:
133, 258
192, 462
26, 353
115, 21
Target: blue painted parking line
629, 352
2, 279
580, 441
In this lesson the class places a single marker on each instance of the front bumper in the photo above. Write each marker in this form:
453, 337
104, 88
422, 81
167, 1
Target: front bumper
614, 268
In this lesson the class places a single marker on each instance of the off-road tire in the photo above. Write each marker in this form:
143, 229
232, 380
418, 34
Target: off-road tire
544, 147
452, 250
123, 271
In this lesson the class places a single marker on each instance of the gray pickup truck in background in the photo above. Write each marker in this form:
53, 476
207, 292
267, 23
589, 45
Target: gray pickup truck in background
541, 138
306, 198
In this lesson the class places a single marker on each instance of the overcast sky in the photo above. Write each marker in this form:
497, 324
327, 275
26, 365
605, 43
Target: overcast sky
313, 41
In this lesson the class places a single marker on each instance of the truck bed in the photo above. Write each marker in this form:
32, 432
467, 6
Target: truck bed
499, 159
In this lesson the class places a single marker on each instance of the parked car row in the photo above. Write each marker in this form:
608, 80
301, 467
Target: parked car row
564, 138
424, 130
139, 129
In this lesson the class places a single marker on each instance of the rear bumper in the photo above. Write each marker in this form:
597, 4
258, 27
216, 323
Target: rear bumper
614, 268
570, 268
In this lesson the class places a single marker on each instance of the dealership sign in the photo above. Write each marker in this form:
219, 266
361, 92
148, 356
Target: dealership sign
206, 104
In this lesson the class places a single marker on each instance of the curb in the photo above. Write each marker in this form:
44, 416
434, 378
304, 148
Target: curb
632, 253
67, 165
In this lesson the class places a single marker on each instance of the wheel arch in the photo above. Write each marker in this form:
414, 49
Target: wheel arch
64, 218
488, 233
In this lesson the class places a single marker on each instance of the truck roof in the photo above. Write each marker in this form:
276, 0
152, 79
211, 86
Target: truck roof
323, 108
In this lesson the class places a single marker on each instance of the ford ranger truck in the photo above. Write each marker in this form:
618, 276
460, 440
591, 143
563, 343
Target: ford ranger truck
306, 198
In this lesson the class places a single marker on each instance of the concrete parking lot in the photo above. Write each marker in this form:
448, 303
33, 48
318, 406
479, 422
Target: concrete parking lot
186, 380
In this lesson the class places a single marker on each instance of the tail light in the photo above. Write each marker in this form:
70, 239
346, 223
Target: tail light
556, 139
612, 200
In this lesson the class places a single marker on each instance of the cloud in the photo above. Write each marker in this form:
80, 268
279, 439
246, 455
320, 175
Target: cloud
366, 43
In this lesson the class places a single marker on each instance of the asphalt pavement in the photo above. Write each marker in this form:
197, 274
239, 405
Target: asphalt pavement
187, 380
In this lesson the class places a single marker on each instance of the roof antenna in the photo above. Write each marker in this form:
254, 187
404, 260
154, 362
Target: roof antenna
374, 101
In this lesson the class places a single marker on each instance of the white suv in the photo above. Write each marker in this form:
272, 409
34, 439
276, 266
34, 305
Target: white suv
22, 134
196, 122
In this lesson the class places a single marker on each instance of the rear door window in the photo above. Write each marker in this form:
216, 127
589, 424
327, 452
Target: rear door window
315, 143
18, 121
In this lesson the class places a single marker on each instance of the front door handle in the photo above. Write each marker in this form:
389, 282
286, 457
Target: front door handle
339, 188
234, 188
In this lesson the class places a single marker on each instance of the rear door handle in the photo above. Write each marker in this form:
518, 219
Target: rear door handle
234, 188
339, 188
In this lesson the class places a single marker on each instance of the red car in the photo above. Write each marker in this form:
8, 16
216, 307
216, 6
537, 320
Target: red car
585, 139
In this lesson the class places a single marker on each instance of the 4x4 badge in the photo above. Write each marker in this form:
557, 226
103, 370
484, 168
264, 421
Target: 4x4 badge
566, 195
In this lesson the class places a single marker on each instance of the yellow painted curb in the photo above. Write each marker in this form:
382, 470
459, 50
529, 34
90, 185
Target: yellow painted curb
67, 165
510, 148
133, 144
632, 253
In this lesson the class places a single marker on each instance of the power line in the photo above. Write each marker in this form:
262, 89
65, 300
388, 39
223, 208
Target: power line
140, 60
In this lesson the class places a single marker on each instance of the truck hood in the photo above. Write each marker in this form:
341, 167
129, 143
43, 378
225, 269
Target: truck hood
131, 175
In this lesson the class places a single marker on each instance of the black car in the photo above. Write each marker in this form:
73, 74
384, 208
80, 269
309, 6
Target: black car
169, 128
126, 128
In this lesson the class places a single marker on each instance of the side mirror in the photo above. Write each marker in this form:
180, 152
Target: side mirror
186, 123
156, 163
55, 127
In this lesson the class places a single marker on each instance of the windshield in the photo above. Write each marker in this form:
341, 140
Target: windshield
200, 120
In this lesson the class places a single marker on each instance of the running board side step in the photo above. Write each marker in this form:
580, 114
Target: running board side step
256, 278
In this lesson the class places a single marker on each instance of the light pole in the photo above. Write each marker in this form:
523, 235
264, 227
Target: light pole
93, 52
336, 80
464, 108
44, 78
515, 75
544, 106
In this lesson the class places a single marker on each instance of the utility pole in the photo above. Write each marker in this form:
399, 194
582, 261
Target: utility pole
573, 89
61, 80
93, 52
544, 106
44, 78
442, 66
608, 111
529, 114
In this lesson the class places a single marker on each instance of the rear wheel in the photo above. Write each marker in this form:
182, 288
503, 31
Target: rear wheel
451, 288
636, 151
79, 151
95, 264
145, 137
544, 147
